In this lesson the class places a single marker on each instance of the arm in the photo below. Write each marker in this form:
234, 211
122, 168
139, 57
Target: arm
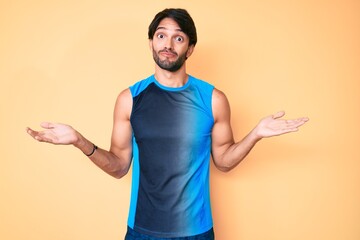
227, 153
117, 160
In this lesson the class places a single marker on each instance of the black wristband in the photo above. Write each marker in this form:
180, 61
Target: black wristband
93, 151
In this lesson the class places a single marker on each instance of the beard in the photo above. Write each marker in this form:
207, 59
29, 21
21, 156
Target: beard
168, 65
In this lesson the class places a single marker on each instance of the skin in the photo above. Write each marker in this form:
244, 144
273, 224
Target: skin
168, 45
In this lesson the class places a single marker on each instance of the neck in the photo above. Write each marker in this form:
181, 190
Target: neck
171, 79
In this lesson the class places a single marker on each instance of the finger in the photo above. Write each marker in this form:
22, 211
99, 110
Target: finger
31, 132
289, 130
43, 139
297, 122
45, 136
278, 115
28, 130
305, 119
47, 125
39, 136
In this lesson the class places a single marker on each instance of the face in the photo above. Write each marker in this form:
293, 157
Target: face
170, 46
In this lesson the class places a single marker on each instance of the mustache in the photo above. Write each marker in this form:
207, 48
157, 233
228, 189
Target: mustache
169, 51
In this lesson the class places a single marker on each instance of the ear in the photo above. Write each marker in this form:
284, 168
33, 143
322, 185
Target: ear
150, 44
190, 51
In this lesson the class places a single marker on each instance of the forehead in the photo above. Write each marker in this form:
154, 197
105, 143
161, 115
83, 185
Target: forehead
168, 24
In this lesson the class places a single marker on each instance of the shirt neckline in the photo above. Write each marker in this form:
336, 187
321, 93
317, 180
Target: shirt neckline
173, 89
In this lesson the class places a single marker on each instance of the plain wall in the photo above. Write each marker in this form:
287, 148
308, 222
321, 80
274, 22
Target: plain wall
66, 61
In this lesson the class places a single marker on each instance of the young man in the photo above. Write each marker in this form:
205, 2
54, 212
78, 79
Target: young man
169, 124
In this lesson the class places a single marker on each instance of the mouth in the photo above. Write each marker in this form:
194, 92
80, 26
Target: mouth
167, 53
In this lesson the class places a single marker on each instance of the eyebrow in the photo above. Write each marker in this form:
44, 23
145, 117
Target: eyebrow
178, 29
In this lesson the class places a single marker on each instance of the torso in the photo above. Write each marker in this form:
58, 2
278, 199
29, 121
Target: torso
171, 154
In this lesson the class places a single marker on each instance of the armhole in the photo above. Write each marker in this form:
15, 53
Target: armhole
211, 103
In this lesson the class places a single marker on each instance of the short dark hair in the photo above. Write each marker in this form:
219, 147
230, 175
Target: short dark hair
181, 17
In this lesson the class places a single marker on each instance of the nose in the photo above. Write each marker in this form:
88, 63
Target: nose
168, 43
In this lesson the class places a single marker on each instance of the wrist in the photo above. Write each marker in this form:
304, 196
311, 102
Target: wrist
80, 141
255, 135
92, 151
87, 147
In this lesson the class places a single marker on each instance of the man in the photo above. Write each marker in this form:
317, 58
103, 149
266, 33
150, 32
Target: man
169, 124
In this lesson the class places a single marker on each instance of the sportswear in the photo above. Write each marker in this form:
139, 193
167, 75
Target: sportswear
172, 127
133, 235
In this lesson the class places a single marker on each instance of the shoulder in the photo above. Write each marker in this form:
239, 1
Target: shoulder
123, 105
201, 83
218, 97
139, 86
220, 104
124, 95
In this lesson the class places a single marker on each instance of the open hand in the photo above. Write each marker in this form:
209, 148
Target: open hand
54, 133
274, 126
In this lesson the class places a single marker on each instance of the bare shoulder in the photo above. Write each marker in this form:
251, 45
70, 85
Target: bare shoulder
220, 104
125, 95
219, 98
123, 104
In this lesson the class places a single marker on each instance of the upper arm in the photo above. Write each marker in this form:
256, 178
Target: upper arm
121, 140
222, 136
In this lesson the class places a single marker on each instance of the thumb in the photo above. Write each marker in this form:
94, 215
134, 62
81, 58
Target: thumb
278, 115
47, 125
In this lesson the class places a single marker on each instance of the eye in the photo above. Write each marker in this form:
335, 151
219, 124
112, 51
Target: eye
160, 35
179, 39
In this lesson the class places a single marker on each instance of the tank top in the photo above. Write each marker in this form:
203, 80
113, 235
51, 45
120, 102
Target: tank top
170, 194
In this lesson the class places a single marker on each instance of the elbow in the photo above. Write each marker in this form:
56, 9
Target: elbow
226, 165
119, 168
223, 167
119, 174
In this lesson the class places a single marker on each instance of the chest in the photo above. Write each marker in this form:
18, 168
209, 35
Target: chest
159, 114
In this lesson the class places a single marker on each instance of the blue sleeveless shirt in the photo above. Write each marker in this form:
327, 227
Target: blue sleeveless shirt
171, 156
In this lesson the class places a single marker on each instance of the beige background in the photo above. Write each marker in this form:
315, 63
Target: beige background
66, 61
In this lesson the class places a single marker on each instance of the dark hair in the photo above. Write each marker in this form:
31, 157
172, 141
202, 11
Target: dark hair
181, 17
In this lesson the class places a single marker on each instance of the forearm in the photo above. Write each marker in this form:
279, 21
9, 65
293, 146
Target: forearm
237, 151
106, 160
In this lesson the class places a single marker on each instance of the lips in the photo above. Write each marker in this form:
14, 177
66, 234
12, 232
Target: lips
167, 53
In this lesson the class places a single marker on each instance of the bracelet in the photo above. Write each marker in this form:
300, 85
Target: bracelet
93, 151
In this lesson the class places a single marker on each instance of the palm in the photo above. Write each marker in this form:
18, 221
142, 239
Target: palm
273, 125
54, 133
